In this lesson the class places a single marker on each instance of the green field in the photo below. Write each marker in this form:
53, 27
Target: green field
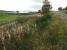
5, 17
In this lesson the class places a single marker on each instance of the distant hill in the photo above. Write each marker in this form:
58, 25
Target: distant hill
4, 11
18, 12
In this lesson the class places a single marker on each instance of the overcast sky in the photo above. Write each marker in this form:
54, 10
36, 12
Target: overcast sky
29, 5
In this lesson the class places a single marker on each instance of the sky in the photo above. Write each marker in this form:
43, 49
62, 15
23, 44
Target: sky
29, 5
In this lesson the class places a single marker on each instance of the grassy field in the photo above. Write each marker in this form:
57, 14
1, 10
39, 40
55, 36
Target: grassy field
7, 17
4, 17
26, 36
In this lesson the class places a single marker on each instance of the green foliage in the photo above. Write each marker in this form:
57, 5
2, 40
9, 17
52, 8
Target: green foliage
42, 23
25, 43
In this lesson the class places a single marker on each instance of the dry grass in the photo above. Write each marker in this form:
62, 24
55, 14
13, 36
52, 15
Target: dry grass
10, 36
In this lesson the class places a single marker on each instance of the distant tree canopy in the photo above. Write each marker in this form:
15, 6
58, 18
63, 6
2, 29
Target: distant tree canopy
17, 12
39, 11
60, 8
66, 8
46, 8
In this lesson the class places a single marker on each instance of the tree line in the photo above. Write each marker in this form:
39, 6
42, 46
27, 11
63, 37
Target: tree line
60, 8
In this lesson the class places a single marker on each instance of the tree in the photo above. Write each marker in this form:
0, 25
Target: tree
66, 8
43, 21
46, 8
17, 12
39, 11
60, 8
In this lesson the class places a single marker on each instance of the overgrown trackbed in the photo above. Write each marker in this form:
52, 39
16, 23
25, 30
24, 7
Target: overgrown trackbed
62, 14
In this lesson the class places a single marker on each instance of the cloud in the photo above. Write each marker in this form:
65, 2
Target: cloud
24, 5
36, 6
20, 5
37, 1
58, 3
